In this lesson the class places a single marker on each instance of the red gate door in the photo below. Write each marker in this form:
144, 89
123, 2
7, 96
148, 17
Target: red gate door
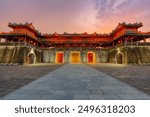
90, 57
60, 57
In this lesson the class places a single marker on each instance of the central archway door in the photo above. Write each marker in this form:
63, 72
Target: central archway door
60, 57
75, 57
90, 58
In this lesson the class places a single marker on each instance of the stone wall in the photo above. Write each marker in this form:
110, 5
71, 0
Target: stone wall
17, 54
48, 56
128, 55
101, 56
11, 54
131, 54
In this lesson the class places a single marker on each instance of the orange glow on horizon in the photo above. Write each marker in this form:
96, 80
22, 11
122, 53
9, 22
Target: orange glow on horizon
76, 16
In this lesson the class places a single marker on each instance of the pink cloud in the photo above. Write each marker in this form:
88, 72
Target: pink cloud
60, 16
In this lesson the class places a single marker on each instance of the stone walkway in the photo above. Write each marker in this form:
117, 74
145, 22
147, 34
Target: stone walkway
76, 82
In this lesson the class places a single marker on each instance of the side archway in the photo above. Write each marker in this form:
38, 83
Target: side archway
119, 58
31, 57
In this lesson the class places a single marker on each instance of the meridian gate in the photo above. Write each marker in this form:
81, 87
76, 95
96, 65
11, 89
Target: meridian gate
75, 48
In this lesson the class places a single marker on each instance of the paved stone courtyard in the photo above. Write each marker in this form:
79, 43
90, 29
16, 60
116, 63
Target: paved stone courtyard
13, 77
135, 75
77, 82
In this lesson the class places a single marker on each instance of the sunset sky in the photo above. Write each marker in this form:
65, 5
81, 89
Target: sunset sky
49, 16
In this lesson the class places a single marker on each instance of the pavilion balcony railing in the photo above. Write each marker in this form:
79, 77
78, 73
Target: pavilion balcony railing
11, 44
132, 44
143, 32
125, 44
17, 44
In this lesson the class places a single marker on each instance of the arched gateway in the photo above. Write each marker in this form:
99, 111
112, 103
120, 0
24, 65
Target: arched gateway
74, 47
31, 58
119, 58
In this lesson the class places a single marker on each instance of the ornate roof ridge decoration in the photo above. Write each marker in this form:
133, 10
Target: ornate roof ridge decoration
124, 24
19, 24
75, 34
26, 24
131, 24
136, 25
120, 25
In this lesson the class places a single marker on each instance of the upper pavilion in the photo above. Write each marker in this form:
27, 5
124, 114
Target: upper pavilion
27, 33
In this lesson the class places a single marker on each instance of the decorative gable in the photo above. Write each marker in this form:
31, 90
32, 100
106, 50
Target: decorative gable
31, 26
